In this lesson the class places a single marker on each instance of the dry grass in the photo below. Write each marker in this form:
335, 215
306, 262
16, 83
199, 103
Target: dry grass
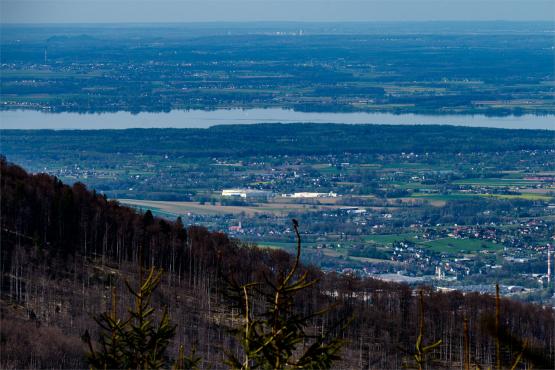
277, 209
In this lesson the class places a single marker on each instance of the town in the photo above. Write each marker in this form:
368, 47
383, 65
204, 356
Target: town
449, 219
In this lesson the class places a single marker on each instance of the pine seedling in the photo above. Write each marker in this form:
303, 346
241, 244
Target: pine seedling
136, 342
183, 362
277, 338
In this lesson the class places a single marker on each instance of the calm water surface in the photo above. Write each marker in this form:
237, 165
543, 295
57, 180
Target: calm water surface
28, 119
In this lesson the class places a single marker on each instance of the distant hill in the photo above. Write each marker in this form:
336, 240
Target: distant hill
64, 248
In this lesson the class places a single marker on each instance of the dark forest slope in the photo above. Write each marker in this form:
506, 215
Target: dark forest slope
64, 248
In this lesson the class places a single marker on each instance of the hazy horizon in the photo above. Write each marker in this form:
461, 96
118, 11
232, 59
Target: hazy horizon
170, 11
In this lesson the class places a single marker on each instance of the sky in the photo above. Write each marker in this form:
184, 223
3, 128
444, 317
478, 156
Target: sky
161, 11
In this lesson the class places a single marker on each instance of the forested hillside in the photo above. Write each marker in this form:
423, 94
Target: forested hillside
64, 248
274, 139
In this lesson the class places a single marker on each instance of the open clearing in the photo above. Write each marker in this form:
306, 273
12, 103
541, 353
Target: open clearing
182, 208
444, 245
497, 182
452, 245
389, 239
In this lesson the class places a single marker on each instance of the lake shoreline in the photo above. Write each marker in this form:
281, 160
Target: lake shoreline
33, 119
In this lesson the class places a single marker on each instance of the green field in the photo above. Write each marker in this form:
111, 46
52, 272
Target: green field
451, 245
409, 166
445, 245
442, 197
527, 196
280, 245
463, 196
389, 239
325, 168
497, 182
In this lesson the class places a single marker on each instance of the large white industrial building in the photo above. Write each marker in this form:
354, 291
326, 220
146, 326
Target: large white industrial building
246, 193
311, 195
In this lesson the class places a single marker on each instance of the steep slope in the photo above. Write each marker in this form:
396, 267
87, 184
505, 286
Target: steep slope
64, 248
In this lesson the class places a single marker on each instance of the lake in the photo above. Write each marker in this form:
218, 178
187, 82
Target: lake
29, 119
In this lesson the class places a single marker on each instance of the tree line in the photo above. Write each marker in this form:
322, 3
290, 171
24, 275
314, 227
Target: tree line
278, 139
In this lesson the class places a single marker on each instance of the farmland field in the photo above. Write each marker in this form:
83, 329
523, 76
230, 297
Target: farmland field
451, 245
497, 182
180, 208
389, 239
